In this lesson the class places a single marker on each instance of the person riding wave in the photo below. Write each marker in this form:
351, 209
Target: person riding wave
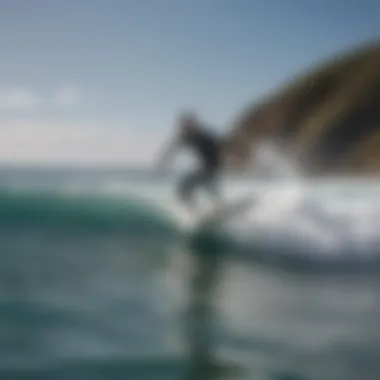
208, 146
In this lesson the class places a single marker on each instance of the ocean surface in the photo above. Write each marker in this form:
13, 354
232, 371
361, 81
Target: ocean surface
95, 267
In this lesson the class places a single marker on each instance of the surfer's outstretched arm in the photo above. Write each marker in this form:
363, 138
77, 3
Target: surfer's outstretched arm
168, 153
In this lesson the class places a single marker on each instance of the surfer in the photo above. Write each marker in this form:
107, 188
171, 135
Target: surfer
208, 147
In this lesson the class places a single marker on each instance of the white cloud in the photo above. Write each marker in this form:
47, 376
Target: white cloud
59, 143
18, 98
68, 95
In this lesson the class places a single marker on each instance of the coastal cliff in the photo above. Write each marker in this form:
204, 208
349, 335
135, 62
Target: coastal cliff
329, 117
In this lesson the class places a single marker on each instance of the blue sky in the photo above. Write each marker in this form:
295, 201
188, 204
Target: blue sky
93, 81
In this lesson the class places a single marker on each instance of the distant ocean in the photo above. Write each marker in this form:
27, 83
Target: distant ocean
94, 274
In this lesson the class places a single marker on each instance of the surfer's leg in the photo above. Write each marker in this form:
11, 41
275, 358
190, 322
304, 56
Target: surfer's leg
187, 187
210, 180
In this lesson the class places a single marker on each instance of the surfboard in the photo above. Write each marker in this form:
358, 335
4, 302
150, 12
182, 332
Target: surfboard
209, 235
225, 212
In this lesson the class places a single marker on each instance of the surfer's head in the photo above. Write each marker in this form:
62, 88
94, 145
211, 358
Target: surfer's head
188, 123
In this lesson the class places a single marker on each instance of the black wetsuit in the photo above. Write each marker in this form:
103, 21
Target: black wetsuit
207, 147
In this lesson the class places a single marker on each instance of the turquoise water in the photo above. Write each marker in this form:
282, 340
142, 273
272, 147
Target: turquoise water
95, 268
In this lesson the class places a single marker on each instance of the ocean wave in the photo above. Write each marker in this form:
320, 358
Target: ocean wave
296, 232
52, 210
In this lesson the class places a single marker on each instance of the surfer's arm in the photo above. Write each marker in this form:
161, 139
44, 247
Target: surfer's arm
168, 153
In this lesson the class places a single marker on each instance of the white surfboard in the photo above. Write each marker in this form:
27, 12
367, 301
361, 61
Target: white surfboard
225, 212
